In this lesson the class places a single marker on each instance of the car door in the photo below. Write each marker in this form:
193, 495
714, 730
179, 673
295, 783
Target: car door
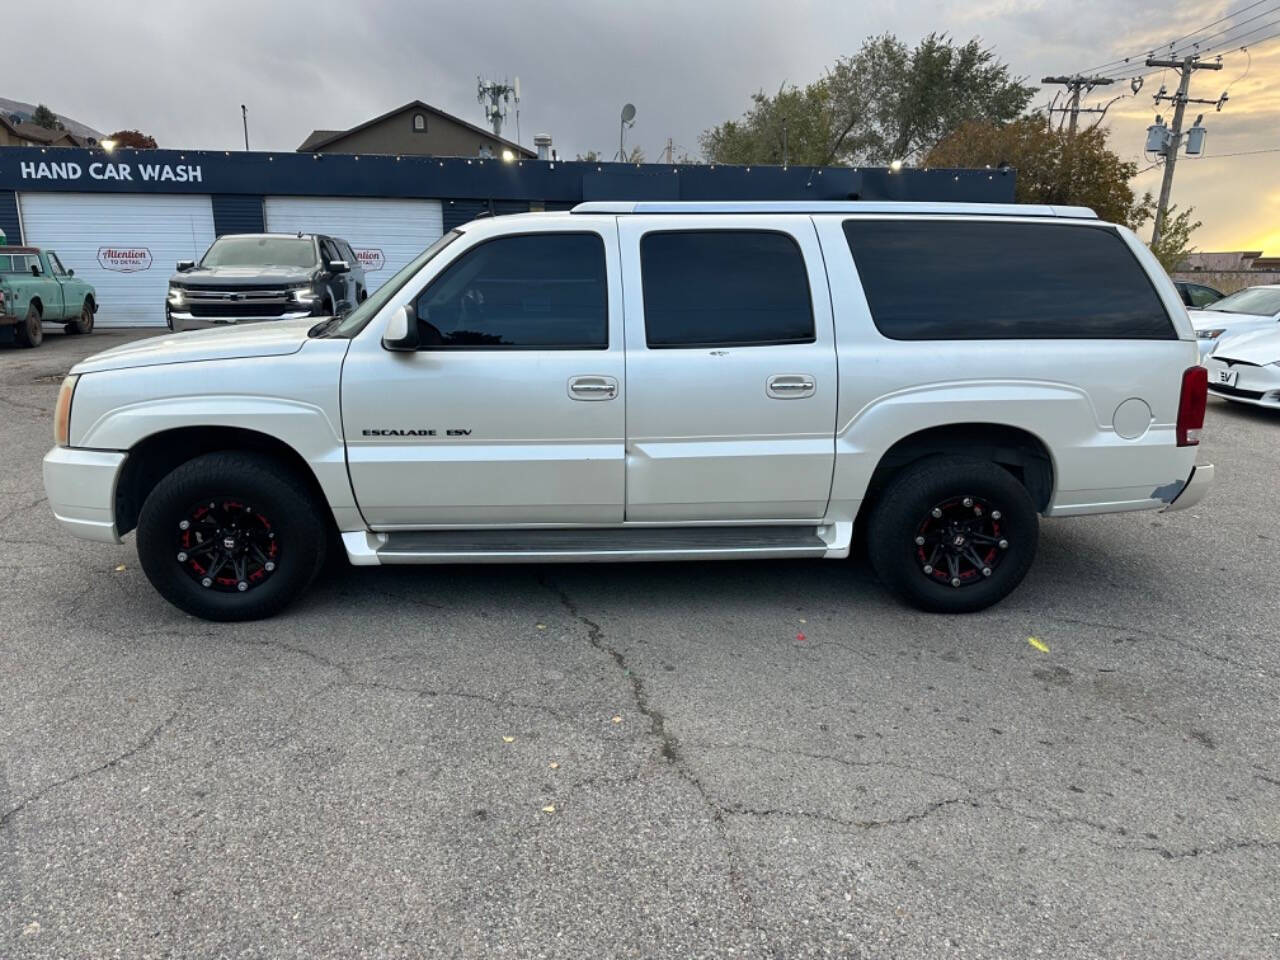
67, 288
512, 411
731, 369
50, 288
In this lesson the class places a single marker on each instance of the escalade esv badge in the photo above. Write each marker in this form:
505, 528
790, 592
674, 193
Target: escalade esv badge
451, 432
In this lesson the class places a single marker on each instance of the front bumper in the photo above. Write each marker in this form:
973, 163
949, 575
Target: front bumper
1193, 492
81, 485
1254, 384
180, 320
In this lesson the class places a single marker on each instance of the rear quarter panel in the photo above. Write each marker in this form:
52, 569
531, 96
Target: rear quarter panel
1065, 392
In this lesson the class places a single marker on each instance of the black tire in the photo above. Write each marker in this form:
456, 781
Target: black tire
277, 504
85, 323
30, 332
937, 500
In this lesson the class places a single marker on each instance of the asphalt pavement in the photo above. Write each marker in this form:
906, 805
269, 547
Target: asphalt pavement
771, 759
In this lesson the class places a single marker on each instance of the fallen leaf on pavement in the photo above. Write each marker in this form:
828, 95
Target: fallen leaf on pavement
617, 719
120, 568
554, 765
549, 808
508, 739
1038, 644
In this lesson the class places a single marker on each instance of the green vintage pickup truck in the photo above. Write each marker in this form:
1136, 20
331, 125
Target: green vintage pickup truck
36, 289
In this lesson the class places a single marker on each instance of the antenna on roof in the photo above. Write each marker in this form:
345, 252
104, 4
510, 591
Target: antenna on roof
628, 120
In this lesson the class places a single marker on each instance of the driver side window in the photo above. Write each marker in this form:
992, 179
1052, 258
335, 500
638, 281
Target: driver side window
544, 291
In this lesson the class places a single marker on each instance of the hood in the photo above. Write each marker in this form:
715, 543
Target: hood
1212, 319
242, 276
1260, 347
271, 339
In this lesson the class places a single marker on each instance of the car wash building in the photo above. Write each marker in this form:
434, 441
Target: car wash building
122, 220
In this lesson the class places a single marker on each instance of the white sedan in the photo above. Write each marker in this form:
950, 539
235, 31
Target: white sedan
1247, 310
1246, 368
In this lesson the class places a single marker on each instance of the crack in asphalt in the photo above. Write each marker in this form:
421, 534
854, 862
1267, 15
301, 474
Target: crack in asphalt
146, 743
1254, 668
669, 750
13, 512
351, 680
927, 811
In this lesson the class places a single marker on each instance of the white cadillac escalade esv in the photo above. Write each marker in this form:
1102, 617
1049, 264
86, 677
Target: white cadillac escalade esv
642, 381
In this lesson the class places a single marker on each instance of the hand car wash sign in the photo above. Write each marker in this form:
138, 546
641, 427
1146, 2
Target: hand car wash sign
70, 171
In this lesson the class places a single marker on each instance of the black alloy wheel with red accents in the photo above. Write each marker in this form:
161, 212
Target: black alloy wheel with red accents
953, 534
231, 535
226, 544
961, 541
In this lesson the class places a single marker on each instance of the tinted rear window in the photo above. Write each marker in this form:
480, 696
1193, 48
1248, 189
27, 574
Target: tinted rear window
984, 280
724, 288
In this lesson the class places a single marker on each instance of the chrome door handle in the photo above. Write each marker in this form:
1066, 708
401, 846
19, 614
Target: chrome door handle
593, 388
791, 386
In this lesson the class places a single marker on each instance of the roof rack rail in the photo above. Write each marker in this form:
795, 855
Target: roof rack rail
835, 206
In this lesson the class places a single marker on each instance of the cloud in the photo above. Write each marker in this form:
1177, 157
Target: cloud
181, 71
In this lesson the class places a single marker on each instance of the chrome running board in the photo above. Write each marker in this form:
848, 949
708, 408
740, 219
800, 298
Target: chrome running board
618, 544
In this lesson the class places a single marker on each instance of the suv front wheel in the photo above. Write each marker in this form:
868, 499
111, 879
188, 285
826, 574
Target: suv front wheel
953, 534
231, 536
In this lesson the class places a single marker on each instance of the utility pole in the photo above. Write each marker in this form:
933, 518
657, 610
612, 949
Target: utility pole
1186, 67
1076, 84
244, 115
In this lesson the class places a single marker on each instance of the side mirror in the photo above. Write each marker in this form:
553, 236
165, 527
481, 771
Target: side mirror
402, 331
185, 265
339, 266
35, 269
71, 271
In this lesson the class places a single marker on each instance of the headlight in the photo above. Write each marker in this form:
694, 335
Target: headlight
303, 295
175, 296
62, 412
1210, 334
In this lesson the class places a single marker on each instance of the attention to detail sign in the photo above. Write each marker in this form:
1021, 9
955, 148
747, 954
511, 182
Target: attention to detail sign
124, 259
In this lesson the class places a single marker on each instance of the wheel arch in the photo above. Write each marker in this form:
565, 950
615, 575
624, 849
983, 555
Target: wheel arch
158, 454
1018, 450
36, 302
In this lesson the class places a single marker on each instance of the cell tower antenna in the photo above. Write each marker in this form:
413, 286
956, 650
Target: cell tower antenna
494, 96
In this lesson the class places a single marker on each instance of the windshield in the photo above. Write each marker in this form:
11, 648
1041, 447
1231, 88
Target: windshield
261, 252
1259, 300
358, 318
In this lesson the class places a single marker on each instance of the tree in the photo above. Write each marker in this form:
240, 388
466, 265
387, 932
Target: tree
589, 157
1175, 239
1050, 166
1053, 167
44, 117
886, 102
133, 138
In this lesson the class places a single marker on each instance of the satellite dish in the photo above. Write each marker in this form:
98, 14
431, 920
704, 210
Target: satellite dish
629, 113
517, 89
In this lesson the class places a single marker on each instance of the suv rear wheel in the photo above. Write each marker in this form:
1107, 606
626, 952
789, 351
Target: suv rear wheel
953, 534
231, 536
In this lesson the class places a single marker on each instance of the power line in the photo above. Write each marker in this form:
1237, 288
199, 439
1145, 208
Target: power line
1221, 46
1110, 65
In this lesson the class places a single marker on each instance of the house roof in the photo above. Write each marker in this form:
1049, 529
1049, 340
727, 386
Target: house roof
322, 138
38, 134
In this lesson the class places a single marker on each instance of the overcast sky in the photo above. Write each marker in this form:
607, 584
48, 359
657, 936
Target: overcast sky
180, 71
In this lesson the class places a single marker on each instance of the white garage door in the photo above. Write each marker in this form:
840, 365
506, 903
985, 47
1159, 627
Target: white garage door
125, 245
385, 234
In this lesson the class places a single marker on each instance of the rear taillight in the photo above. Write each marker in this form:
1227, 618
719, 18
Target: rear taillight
1191, 404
